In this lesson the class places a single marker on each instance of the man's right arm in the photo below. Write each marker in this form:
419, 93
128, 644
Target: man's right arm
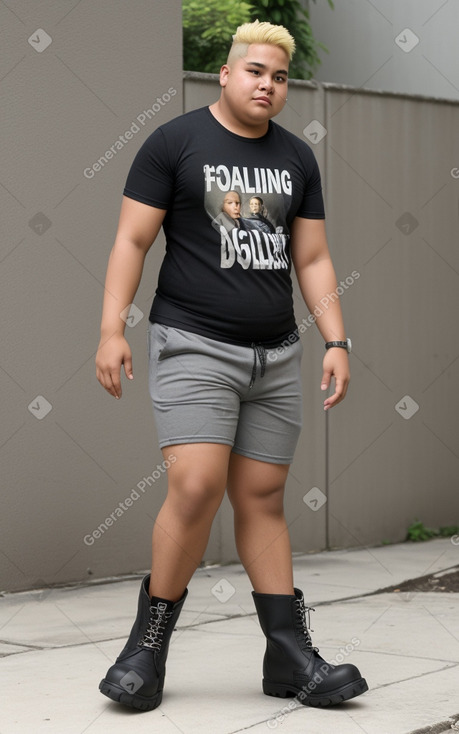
138, 228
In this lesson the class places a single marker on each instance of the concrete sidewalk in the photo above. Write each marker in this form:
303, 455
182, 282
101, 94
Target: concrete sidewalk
57, 645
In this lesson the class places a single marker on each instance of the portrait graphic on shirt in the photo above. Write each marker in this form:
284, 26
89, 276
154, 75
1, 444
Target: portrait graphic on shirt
247, 208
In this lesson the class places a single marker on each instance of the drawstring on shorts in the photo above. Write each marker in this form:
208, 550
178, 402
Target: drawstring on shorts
259, 352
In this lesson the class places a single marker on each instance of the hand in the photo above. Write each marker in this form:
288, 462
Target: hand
111, 354
335, 364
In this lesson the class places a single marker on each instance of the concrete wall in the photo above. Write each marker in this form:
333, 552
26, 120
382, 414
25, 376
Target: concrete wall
390, 453
409, 46
72, 456
77, 80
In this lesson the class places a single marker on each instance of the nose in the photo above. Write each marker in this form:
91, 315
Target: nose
266, 84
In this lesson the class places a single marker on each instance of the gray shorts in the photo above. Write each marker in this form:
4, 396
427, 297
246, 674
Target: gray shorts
204, 390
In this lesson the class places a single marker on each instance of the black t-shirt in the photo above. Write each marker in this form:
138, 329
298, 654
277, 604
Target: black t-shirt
223, 275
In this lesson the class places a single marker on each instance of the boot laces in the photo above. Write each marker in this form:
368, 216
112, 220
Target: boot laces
304, 614
157, 622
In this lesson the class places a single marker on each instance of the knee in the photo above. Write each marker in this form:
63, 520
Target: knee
195, 496
267, 500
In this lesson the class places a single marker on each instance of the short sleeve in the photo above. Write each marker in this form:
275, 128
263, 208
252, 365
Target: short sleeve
312, 206
151, 179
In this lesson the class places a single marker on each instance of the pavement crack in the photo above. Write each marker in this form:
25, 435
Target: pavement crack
414, 677
439, 727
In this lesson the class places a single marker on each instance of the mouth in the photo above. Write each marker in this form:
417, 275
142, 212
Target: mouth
264, 100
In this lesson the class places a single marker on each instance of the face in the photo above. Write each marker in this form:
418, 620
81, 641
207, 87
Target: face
255, 206
254, 87
232, 205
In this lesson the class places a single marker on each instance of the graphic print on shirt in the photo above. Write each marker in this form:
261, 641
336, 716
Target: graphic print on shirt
247, 207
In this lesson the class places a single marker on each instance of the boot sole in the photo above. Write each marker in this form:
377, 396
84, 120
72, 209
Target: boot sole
351, 690
120, 695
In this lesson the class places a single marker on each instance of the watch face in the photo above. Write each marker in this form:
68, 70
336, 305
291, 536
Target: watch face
349, 345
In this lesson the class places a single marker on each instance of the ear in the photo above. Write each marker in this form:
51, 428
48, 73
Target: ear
224, 73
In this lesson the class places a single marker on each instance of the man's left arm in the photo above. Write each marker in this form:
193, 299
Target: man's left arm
317, 280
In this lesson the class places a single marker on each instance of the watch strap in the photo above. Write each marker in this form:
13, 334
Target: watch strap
342, 344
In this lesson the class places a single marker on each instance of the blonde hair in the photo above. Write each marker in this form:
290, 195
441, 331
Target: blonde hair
261, 32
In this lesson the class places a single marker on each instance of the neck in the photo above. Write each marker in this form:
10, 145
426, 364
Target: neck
224, 116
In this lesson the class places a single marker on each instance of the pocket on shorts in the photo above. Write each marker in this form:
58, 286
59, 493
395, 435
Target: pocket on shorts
167, 341
158, 337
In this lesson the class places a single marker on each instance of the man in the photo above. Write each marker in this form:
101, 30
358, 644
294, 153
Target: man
230, 415
230, 215
257, 215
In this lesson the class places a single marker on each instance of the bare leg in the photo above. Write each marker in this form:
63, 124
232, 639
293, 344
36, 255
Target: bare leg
196, 485
256, 492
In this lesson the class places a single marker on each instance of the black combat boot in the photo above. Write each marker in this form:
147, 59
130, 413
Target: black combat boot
137, 677
292, 666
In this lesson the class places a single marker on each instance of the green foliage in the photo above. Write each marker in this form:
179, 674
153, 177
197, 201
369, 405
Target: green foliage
417, 532
295, 18
208, 27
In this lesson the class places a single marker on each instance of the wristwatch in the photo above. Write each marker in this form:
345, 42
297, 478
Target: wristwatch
347, 345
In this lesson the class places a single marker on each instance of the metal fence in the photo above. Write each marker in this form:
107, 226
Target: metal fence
389, 454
